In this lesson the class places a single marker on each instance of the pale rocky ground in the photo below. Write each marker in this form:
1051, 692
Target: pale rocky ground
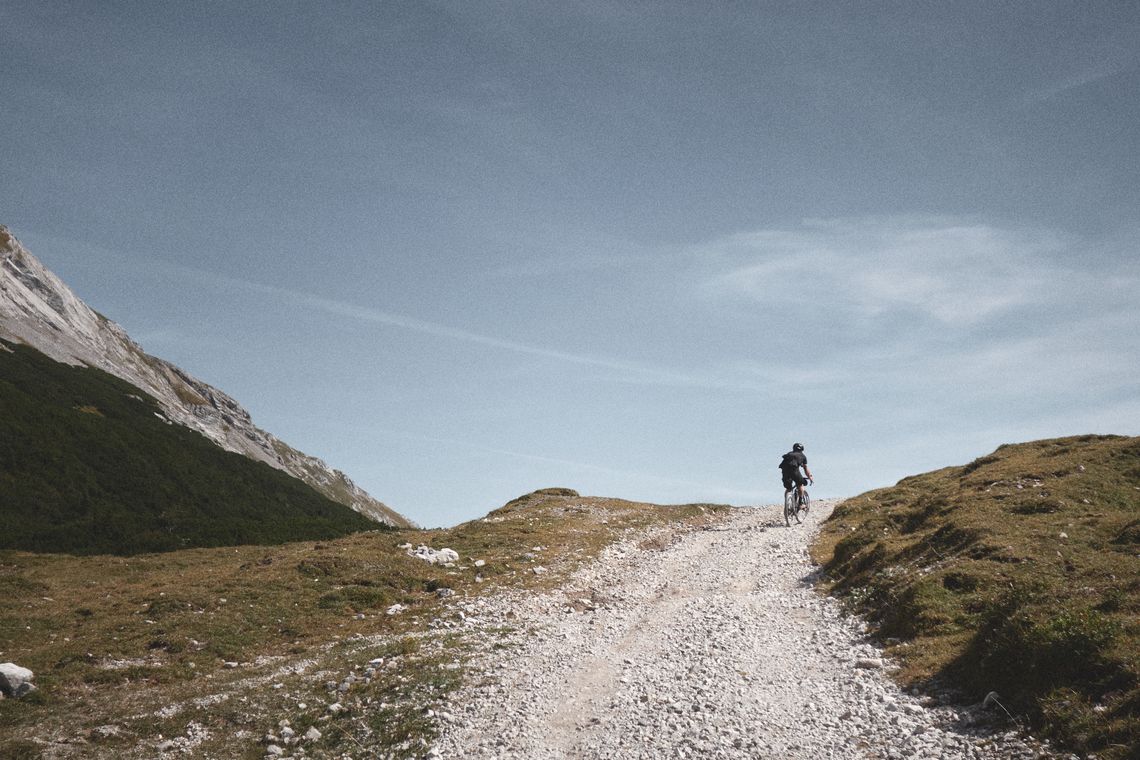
717, 646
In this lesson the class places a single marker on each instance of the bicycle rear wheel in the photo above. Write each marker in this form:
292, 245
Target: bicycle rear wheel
790, 508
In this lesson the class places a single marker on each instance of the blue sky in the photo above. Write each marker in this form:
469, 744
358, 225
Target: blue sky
466, 250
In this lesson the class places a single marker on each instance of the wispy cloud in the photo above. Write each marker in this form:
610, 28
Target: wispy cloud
928, 307
955, 272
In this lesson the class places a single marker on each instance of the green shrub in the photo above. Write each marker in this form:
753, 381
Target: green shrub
356, 598
1023, 648
20, 749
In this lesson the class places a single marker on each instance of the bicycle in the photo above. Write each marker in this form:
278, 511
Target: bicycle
796, 502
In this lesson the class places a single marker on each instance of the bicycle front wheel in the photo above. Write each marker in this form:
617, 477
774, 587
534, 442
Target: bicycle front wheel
805, 502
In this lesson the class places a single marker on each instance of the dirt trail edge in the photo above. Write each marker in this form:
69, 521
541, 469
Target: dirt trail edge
717, 646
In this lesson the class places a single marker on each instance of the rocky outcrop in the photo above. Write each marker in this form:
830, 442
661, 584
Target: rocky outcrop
38, 309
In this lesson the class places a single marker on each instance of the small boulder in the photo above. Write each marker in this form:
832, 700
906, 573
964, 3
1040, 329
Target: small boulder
435, 556
12, 677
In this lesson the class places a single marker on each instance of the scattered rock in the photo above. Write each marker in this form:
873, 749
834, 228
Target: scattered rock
108, 731
434, 556
13, 677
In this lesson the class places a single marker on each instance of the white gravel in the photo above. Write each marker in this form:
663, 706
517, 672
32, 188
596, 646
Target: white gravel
717, 647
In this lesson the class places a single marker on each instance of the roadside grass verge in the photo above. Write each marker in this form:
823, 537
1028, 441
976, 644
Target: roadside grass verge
1017, 573
220, 644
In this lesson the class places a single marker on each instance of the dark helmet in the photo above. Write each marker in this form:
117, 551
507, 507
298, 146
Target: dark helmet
797, 447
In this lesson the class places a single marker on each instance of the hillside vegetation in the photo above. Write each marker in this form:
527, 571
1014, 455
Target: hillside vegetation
88, 465
217, 646
1017, 573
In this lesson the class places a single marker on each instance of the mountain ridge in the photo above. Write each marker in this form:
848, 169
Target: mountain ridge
39, 310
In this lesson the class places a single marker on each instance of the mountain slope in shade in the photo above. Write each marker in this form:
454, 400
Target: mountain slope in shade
88, 465
38, 309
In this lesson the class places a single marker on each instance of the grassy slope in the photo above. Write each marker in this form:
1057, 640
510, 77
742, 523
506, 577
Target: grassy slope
1020, 573
112, 639
87, 467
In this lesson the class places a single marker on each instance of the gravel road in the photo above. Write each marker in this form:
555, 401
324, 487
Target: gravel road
716, 646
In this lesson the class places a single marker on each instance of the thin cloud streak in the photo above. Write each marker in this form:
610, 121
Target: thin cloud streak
627, 371
1075, 81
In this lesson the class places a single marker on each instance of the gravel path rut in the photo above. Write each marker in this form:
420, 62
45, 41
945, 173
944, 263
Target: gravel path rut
716, 646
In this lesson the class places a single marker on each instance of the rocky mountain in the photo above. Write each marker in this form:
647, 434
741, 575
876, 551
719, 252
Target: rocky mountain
39, 310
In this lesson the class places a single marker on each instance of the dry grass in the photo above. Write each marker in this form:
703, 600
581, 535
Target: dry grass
113, 640
1020, 573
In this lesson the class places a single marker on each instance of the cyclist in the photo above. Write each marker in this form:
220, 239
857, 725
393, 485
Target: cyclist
790, 470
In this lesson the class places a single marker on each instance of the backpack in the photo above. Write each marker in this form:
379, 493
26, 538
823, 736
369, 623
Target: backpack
786, 463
